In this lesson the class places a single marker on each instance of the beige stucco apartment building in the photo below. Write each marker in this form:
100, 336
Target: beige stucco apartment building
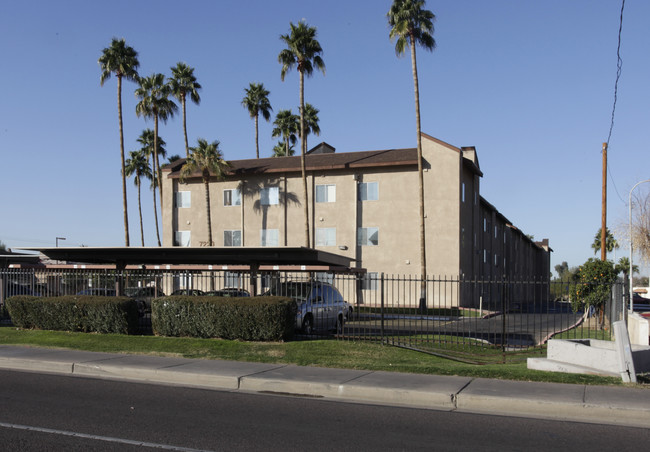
363, 205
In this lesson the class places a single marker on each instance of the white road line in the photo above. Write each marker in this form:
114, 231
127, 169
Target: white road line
100, 438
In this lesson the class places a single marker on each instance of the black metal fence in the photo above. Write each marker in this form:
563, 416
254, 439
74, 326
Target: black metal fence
475, 320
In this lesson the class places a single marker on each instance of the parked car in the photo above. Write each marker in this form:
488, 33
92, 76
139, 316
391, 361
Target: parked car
14, 288
191, 292
320, 305
229, 292
143, 296
100, 291
641, 304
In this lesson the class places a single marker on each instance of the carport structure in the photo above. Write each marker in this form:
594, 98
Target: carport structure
250, 260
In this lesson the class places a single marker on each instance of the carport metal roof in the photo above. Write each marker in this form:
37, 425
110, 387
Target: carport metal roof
223, 256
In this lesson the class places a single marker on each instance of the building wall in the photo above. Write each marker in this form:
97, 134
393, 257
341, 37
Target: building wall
466, 237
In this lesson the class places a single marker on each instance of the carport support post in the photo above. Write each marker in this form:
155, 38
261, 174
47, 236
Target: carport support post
119, 274
253, 279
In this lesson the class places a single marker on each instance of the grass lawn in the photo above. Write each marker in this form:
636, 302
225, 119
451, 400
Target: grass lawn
321, 353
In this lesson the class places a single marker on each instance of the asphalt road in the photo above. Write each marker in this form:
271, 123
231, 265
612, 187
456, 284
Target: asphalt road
48, 412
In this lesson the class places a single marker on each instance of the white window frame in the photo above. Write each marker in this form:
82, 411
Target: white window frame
325, 236
232, 233
364, 192
325, 193
365, 235
183, 199
269, 237
269, 196
234, 197
183, 238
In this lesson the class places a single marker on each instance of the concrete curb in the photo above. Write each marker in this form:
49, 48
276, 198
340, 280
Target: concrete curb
579, 403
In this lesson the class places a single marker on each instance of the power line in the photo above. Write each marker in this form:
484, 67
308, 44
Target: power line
619, 67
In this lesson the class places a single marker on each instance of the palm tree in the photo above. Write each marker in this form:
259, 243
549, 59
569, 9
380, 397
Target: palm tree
311, 121
138, 167
172, 159
207, 159
280, 150
147, 139
286, 126
411, 25
256, 101
155, 103
121, 60
303, 51
623, 266
183, 83
610, 242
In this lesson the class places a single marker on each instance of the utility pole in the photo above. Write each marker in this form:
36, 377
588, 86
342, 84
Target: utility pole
603, 226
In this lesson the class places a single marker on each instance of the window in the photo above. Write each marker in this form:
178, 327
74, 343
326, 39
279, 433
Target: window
370, 281
368, 237
232, 279
232, 238
269, 196
463, 193
324, 277
325, 236
183, 199
369, 191
231, 197
325, 193
182, 238
269, 237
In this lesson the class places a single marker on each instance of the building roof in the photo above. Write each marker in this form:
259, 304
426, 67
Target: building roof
249, 256
323, 157
313, 162
8, 258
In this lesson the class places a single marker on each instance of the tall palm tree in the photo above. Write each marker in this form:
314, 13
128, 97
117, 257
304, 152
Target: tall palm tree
183, 83
311, 121
155, 103
304, 52
138, 167
286, 126
121, 60
412, 25
256, 101
207, 159
280, 150
610, 242
147, 139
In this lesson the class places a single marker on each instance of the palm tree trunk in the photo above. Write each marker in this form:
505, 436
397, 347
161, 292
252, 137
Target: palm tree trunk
124, 205
206, 182
187, 147
155, 209
156, 162
423, 254
140, 212
257, 144
302, 155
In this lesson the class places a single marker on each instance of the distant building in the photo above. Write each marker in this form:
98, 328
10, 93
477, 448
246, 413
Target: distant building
363, 205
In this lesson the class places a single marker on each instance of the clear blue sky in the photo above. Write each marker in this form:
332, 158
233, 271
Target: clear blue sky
530, 84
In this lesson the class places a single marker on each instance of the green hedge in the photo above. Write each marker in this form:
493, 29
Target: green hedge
75, 313
249, 319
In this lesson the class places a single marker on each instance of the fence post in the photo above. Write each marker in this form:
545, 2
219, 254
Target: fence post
503, 323
381, 295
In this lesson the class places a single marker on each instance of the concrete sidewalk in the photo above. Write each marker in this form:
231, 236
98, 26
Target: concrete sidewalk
594, 404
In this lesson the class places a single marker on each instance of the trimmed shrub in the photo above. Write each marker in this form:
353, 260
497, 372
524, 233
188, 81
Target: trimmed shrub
249, 319
84, 313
